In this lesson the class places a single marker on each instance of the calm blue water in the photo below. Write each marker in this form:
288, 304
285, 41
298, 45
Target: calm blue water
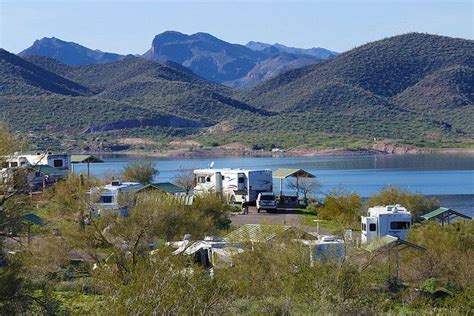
450, 177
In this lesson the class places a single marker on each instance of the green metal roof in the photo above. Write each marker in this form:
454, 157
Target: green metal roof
165, 187
262, 233
285, 173
85, 159
46, 169
35, 219
390, 241
442, 212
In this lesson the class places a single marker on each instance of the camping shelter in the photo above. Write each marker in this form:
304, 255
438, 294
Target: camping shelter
88, 159
32, 219
291, 173
443, 215
164, 187
392, 243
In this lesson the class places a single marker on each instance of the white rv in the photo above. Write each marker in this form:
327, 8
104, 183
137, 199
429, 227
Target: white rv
58, 161
394, 220
326, 248
233, 183
111, 196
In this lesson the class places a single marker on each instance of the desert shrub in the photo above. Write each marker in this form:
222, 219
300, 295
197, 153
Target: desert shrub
342, 207
416, 203
142, 172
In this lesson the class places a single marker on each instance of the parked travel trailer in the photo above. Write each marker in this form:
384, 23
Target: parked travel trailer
326, 248
394, 220
58, 161
233, 183
115, 196
41, 169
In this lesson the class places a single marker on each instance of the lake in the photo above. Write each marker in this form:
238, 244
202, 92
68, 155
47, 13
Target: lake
450, 177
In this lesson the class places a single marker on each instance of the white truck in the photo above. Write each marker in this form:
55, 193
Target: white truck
233, 183
394, 220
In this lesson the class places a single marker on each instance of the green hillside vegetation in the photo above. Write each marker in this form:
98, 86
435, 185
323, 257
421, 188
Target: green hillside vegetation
414, 89
19, 77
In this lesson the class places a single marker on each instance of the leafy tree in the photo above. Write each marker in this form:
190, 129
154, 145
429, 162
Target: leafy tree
185, 180
341, 206
305, 186
417, 204
142, 172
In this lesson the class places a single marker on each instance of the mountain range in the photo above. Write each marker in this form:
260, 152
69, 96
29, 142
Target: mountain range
207, 56
415, 89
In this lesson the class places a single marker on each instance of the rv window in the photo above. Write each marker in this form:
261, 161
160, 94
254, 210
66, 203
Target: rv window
105, 199
201, 179
13, 164
364, 227
57, 163
372, 227
223, 177
241, 180
208, 179
22, 163
399, 225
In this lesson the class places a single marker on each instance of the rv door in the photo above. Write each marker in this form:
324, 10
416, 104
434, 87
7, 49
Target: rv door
369, 229
241, 182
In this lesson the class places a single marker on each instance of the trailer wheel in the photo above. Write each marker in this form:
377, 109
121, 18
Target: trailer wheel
258, 210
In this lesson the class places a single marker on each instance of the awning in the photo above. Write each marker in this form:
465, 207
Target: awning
391, 241
85, 159
443, 213
285, 173
35, 219
165, 187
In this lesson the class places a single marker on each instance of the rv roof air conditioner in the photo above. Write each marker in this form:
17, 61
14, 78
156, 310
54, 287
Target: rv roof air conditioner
116, 183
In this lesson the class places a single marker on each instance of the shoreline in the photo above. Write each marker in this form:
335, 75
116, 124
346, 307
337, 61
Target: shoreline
297, 152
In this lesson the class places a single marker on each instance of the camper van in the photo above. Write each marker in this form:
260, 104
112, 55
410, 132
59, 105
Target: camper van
394, 220
113, 195
233, 183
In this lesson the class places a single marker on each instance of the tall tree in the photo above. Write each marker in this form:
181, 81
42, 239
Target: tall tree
142, 172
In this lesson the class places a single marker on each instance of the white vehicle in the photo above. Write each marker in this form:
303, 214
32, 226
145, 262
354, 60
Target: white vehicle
266, 201
394, 220
326, 248
114, 195
233, 183
58, 161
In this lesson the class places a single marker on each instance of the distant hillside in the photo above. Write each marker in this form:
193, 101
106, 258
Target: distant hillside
205, 55
412, 89
222, 62
69, 53
19, 77
427, 75
131, 94
384, 69
272, 66
318, 52
157, 86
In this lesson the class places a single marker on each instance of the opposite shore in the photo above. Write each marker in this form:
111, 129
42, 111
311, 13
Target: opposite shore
231, 151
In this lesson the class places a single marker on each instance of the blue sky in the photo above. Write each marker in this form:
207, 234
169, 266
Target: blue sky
129, 26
